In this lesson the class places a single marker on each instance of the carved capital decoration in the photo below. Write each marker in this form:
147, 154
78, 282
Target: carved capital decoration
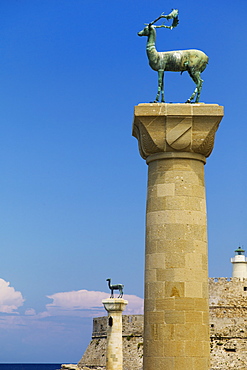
166, 128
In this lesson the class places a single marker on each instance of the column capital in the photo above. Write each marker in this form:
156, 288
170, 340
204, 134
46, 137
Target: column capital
114, 304
162, 127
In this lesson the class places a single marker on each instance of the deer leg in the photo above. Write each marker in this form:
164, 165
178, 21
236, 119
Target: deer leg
199, 89
193, 76
162, 89
198, 81
120, 293
160, 86
192, 96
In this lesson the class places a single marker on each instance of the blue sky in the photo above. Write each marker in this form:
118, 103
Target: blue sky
72, 184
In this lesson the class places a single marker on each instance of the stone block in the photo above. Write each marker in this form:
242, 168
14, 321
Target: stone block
193, 260
150, 304
194, 348
175, 203
174, 289
195, 317
164, 190
200, 363
183, 363
155, 349
174, 317
185, 304
162, 277
201, 331
184, 332
162, 304
201, 304
151, 363
151, 274
156, 261
175, 231
167, 331
154, 290
155, 317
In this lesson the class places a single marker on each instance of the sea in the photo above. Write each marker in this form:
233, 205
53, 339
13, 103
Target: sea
30, 366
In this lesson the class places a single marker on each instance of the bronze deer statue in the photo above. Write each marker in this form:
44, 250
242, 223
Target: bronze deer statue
193, 61
115, 287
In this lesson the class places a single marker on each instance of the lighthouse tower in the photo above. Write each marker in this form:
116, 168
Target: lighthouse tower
239, 264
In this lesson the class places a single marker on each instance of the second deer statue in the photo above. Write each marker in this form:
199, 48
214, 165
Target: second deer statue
193, 61
115, 287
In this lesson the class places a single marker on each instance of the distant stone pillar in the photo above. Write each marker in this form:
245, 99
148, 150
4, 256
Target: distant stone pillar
175, 140
114, 355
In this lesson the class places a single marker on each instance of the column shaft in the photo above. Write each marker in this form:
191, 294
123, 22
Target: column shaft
176, 333
114, 353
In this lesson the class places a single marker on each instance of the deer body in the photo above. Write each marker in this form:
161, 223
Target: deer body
193, 61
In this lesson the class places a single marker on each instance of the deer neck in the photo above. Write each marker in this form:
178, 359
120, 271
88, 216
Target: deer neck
151, 49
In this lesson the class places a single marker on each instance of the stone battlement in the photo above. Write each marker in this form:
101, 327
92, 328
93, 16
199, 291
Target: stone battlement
224, 279
228, 298
132, 325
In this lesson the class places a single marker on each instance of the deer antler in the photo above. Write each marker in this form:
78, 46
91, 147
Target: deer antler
173, 15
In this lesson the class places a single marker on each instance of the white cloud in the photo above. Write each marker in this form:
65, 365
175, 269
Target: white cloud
10, 299
135, 305
86, 303
81, 303
56, 316
30, 312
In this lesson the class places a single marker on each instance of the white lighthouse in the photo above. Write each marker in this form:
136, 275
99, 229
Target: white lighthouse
239, 264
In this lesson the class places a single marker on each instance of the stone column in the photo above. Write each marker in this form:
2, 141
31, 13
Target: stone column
114, 355
175, 140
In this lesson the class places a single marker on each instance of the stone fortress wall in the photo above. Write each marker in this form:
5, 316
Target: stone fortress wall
228, 323
95, 355
228, 331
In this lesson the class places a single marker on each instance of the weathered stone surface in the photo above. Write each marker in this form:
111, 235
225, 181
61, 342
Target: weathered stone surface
228, 320
176, 127
228, 331
95, 354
